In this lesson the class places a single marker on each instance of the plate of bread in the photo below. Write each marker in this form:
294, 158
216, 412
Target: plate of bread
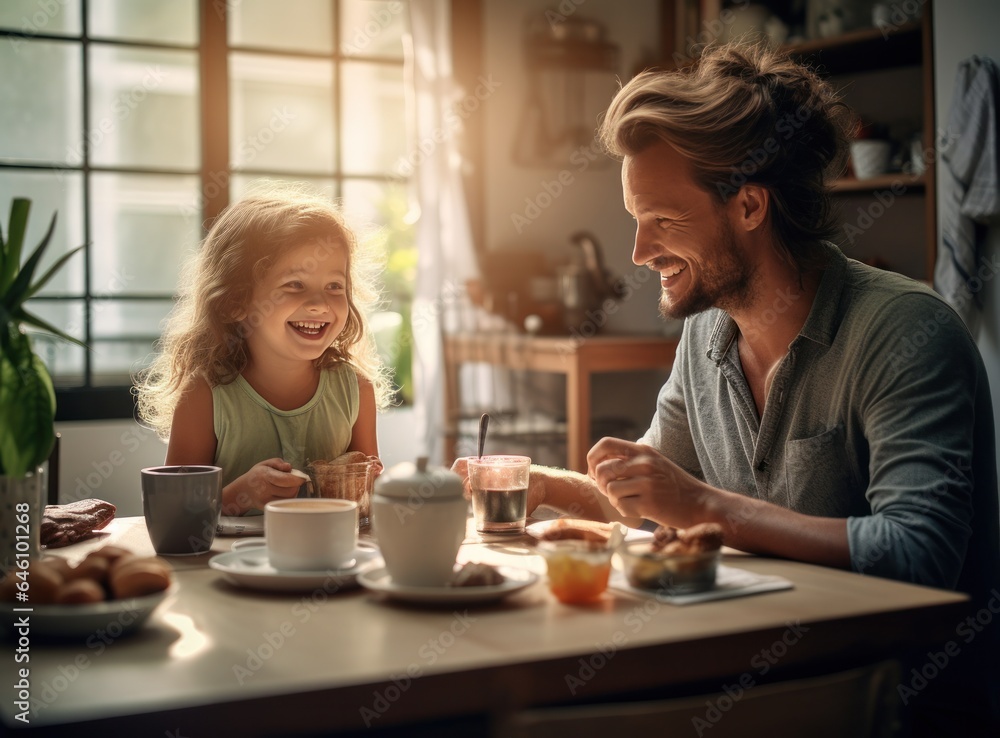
110, 593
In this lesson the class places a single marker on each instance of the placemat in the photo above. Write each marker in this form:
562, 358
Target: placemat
729, 582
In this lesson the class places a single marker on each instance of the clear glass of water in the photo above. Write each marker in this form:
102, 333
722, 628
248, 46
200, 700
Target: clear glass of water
499, 487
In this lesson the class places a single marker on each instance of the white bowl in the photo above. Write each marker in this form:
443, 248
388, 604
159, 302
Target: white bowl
870, 157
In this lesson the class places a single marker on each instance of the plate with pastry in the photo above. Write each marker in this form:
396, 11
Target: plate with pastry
563, 529
472, 583
110, 593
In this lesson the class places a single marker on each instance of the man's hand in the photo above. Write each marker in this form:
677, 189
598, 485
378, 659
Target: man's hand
640, 482
267, 480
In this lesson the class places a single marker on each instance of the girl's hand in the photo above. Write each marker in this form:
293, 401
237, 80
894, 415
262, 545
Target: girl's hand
267, 480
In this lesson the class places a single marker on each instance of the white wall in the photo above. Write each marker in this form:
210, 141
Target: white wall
965, 28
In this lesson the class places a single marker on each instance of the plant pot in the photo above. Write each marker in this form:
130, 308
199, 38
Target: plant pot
21, 517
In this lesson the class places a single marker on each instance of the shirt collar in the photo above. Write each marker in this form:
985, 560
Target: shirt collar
821, 324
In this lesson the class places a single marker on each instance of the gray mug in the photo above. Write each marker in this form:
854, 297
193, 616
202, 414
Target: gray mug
181, 505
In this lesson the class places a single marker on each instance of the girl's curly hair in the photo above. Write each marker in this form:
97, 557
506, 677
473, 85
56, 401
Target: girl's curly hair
204, 336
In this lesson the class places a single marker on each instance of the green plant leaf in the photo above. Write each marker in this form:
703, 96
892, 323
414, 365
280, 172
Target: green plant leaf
43, 280
18, 291
29, 319
28, 405
18, 225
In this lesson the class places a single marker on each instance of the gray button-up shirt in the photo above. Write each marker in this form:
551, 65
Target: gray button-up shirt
880, 413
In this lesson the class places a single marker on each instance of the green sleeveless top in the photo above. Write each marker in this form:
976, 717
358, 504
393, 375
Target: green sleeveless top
249, 429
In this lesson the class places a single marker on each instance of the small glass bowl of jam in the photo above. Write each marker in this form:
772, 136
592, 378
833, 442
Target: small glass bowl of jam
578, 570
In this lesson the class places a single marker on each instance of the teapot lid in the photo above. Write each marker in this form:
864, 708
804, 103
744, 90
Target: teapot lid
407, 479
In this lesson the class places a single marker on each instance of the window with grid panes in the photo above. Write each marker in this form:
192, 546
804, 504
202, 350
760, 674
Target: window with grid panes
139, 120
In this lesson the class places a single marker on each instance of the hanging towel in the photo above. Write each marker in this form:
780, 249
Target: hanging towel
970, 184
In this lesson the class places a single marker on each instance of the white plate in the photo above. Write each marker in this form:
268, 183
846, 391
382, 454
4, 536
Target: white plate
537, 531
113, 618
245, 525
377, 579
247, 566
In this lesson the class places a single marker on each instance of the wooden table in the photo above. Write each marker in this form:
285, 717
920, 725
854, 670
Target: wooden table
575, 357
220, 660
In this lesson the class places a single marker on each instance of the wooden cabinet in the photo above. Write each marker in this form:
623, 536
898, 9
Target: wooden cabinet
886, 75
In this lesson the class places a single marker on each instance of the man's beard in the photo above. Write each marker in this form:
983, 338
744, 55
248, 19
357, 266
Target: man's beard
726, 282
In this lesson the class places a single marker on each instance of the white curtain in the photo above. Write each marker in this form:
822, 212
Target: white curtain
446, 258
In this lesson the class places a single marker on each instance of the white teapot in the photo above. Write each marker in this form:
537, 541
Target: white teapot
419, 518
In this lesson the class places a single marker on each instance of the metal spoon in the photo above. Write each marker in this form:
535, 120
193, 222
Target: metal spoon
484, 424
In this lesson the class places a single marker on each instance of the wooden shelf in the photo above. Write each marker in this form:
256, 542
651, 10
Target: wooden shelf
911, 183
865, 49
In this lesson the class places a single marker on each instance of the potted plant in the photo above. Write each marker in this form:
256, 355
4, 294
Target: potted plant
27, 399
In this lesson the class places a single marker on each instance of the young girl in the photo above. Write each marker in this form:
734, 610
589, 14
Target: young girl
266, 361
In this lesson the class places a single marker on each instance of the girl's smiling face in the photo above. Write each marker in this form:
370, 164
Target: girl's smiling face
300, 305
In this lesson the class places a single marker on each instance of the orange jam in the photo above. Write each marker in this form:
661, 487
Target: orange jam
577, 575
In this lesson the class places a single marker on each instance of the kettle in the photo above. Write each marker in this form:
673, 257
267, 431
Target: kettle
585, 283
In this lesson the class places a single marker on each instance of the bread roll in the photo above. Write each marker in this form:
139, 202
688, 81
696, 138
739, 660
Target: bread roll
137, 577
80, 592
93, 567
44, 580
111, 553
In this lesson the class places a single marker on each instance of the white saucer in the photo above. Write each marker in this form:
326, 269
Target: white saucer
377, 579
247, 566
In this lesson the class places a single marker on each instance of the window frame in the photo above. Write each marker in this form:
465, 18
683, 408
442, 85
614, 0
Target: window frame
90, 401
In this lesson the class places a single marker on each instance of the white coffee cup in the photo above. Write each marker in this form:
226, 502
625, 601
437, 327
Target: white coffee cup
310, 535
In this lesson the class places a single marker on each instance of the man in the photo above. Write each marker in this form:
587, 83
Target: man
818, 409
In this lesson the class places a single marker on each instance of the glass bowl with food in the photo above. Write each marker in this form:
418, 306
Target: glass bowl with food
676, 561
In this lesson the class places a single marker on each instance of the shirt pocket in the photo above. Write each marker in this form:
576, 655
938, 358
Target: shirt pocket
818, 476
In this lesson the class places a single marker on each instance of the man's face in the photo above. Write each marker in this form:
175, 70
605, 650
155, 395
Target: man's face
683, 233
